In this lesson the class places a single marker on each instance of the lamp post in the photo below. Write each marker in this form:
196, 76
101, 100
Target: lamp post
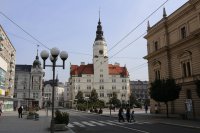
53, 57
76, 100
87, 98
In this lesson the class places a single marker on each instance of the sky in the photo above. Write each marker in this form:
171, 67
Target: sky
71, 25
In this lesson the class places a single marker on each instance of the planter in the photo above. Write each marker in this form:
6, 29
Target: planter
30, 116
60, 127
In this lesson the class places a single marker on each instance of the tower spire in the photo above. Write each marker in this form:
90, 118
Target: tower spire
99, 32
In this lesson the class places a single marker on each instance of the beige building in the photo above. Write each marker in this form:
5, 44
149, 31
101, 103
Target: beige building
7, 71
173, 46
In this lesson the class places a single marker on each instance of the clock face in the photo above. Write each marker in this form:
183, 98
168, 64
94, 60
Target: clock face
100, 51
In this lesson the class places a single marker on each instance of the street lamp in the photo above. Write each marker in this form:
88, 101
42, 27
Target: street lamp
53, 57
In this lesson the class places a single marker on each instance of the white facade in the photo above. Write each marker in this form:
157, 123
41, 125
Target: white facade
58, 93
105, 78
67, 95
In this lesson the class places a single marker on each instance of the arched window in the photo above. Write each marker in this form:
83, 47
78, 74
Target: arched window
185, 61
157, 69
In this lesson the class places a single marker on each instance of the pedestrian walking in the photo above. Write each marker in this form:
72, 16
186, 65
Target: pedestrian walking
120, 115
128, 115
20, 111
146, 108
132, 116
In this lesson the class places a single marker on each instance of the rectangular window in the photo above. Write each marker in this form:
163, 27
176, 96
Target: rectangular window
88, 87
101, 80
184, 70
113, 80
183, 32
101, 87
114, 87
188, 69
156, 46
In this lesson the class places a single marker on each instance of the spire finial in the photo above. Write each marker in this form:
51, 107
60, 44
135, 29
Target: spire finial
37, 49
164, 13
99, 13
148, 25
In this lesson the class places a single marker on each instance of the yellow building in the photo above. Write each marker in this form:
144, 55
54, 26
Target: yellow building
173, 46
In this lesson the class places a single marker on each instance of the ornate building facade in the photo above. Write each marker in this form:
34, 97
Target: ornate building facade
105, 78
28, 85
173, 46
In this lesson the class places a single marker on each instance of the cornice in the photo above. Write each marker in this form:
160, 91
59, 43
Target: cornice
192, 36
158, 52
170, 19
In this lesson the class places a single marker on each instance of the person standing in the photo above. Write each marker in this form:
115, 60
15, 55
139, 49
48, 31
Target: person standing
1, 109
156, 108
128, 115
20, 111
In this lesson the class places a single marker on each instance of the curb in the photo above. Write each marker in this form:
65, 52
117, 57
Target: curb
181, 125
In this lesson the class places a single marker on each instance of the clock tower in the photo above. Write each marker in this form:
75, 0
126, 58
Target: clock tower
100, 57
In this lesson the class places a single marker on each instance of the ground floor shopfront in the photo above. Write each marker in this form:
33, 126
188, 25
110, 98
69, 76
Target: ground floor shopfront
6, 103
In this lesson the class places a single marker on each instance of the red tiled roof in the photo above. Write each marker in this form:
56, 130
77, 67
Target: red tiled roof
88, 69
117, 70
82, 69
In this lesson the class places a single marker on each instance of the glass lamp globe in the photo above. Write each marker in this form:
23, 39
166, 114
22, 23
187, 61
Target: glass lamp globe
55, 52
63, 55
44, 54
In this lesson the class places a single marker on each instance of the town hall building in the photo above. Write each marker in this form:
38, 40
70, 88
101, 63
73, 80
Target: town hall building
105, 78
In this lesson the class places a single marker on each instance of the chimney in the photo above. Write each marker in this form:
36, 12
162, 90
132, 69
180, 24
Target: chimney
82, 63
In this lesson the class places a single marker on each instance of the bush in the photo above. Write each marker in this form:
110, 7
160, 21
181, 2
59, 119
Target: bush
61, 117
